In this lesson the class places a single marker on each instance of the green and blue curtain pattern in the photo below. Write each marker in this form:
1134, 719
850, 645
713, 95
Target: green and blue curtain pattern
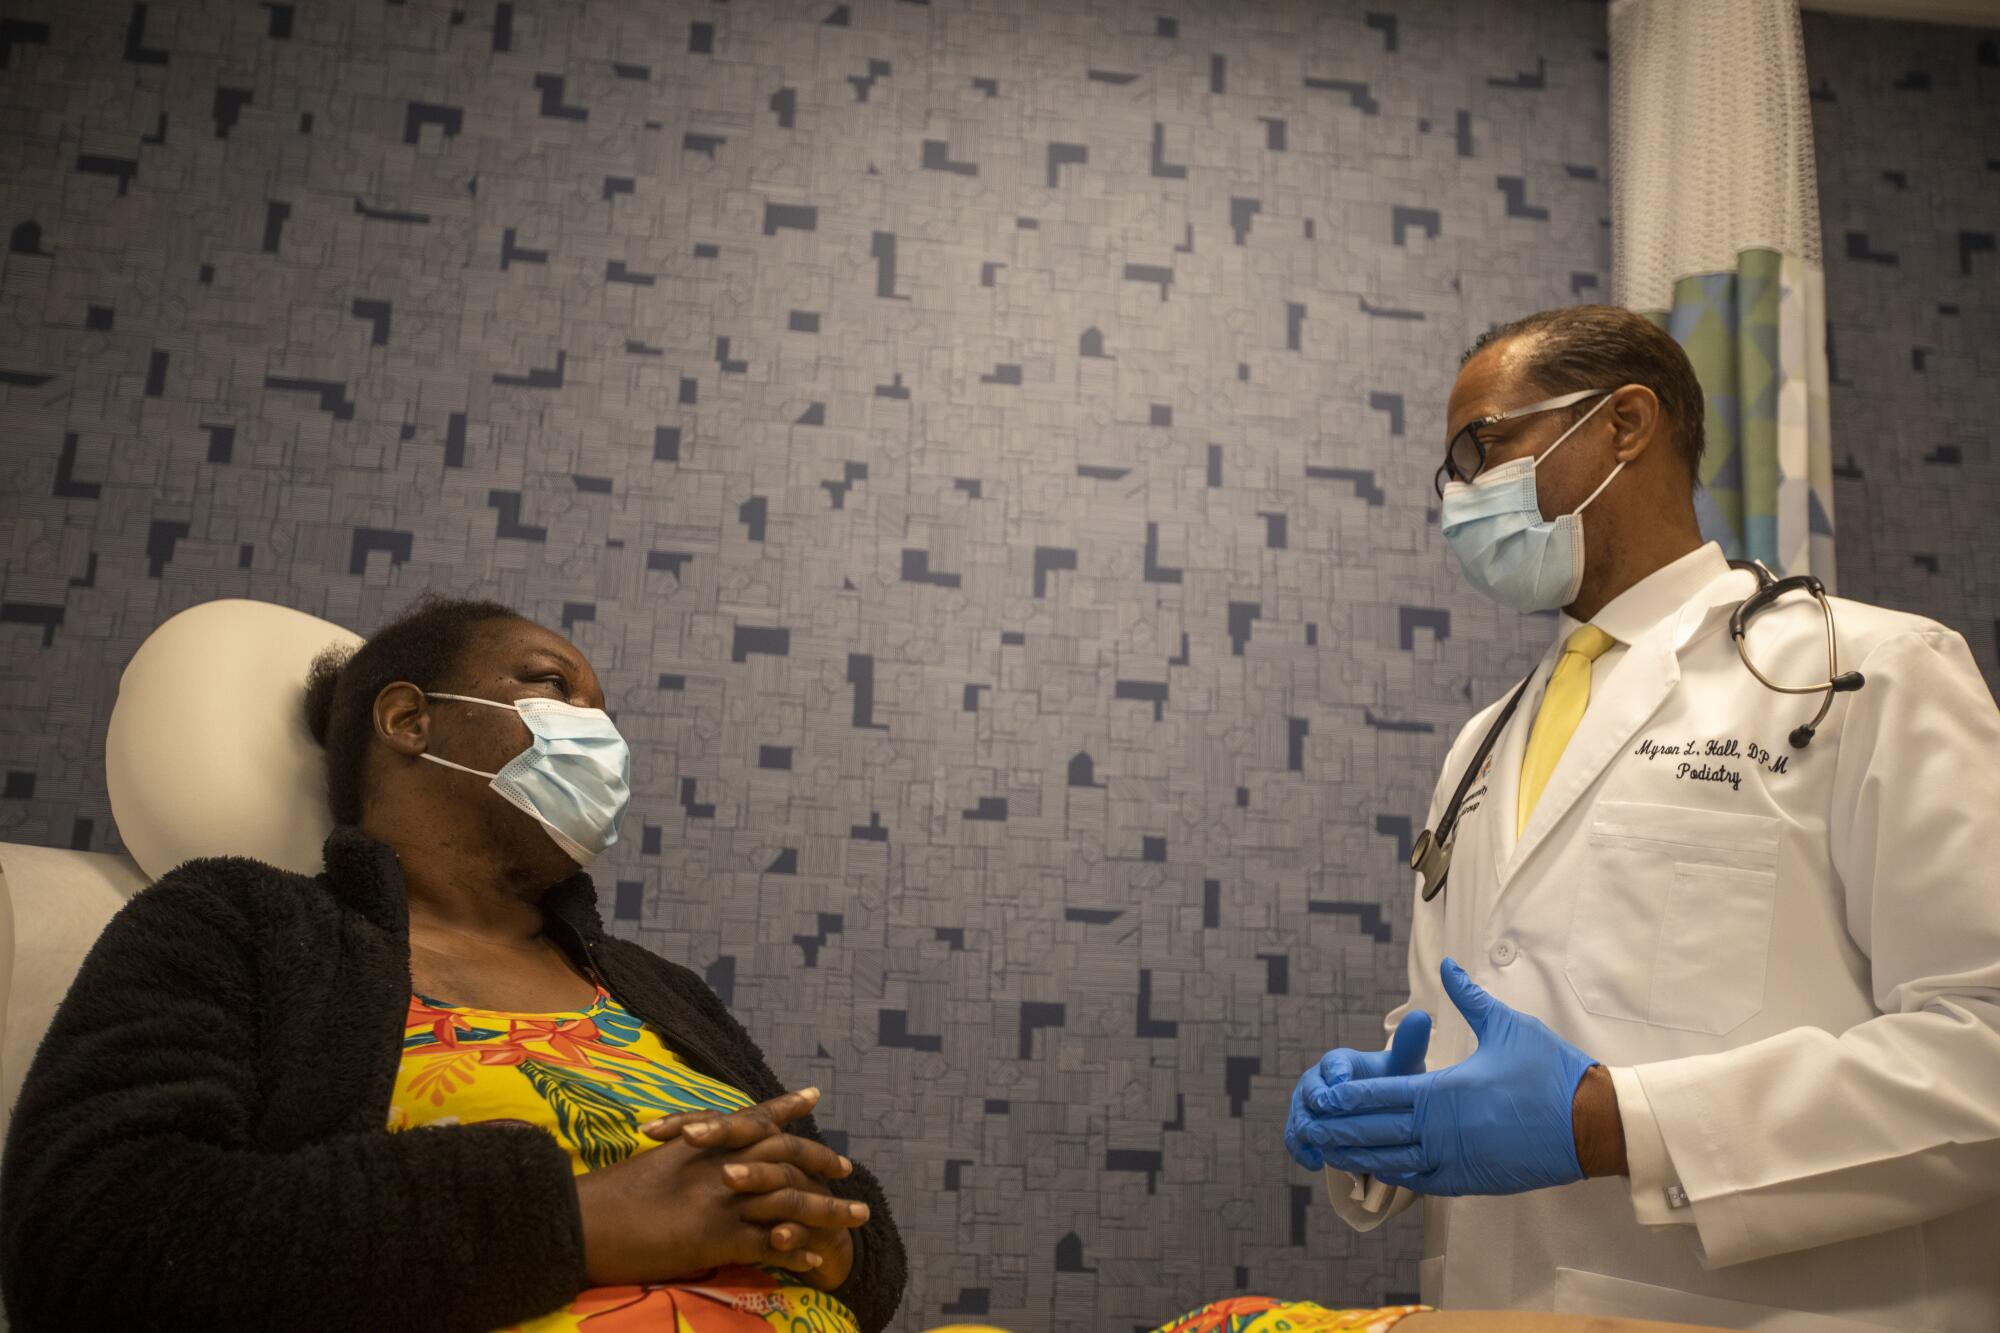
1756, 336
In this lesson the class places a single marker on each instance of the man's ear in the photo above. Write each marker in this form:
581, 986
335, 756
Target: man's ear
402, 722
1636, 422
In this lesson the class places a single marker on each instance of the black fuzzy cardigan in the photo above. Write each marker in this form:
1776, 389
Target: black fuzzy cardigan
200, 1142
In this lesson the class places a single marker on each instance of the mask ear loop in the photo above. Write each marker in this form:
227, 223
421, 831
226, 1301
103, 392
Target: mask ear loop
1599, 491
1571, 431
460, 767
1564, 436
469, 699
495, 703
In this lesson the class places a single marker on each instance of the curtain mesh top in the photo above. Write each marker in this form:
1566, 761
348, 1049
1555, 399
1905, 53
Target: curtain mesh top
1711, 141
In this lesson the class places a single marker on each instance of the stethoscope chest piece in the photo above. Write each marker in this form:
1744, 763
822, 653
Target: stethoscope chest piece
1431, 858
1430, 855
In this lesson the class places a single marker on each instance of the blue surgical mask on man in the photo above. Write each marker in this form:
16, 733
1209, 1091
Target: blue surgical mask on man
574, 778
1507, 549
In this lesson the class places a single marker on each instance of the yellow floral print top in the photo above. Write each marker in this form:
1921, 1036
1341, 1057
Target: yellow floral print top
1262, 1314
589, 1078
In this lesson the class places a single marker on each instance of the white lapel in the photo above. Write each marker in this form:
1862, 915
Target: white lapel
1619, 706
1503, 789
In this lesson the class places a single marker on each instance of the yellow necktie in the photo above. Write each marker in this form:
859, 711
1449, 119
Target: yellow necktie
1562, 708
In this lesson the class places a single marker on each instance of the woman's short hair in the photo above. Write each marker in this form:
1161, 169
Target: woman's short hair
1602, 347
425, 646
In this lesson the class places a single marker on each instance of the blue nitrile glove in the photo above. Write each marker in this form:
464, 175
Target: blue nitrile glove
1404, 1056
1498, 1122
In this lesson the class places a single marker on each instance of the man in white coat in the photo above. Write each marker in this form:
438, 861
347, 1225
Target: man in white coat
1725, 1046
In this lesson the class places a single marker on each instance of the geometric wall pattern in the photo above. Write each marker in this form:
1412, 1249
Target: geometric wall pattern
1906, 121
985, 450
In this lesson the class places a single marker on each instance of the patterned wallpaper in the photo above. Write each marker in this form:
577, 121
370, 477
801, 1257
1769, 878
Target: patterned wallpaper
985, 449
1906, 122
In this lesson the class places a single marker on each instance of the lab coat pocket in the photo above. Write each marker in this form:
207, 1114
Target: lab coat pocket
1672, 923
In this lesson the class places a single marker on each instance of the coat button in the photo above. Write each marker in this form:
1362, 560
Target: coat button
1503, 952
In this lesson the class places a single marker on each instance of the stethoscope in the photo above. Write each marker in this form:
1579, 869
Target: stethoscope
1431, 856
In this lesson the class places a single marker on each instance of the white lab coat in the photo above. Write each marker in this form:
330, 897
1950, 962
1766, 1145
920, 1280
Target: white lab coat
1794, 975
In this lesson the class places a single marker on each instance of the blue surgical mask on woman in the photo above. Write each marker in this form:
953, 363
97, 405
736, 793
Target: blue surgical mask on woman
574, 778
1506, 548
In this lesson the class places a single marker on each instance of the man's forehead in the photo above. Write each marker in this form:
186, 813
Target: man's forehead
1486, 384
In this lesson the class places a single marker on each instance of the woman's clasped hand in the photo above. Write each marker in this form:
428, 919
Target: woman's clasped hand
721, 1189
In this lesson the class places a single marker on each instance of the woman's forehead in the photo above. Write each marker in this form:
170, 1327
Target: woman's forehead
503, 644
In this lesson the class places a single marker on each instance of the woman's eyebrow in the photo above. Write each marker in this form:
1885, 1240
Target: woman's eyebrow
563, 660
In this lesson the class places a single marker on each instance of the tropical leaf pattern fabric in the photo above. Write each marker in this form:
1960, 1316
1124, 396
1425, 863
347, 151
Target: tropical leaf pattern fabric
1262, 1314
590, 1078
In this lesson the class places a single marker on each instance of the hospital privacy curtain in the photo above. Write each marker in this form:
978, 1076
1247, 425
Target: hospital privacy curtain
1715, 234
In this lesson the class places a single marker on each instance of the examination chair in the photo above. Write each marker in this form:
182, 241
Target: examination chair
207, 754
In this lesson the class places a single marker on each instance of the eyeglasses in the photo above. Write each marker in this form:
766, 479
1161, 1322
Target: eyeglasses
1465, 456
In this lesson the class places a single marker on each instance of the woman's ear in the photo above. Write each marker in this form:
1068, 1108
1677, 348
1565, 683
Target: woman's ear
1634, 411
402, 722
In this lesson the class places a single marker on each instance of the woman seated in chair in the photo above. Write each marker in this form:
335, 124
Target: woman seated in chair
424, 1090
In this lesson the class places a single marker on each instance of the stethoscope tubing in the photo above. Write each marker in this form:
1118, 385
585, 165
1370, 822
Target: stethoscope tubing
1430, 855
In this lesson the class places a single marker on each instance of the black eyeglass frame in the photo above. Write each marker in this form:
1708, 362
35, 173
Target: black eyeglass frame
1451, 469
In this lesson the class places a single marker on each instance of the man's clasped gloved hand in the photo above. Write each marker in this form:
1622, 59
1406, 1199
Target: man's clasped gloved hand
1497, 1122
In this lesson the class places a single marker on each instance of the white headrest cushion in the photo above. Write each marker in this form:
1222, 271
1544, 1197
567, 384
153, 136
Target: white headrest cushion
208, 752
